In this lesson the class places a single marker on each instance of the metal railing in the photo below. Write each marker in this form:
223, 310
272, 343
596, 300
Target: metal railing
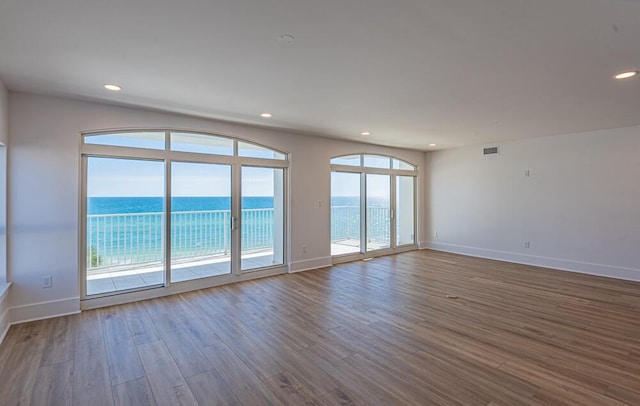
345, 223
126, 240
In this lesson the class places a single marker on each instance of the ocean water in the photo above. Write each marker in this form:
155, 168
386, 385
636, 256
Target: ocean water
118, 205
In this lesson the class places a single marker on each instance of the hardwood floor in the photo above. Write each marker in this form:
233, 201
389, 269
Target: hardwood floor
363, 333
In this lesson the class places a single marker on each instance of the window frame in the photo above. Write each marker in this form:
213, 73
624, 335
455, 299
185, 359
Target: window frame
393, 173
167, 156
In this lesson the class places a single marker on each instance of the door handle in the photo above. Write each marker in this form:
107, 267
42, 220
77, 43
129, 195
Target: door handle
234, 223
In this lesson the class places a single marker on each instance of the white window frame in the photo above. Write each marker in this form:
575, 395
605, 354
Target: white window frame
167, 157
364, 171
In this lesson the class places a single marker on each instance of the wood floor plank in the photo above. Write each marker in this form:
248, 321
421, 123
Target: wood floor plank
255, 357
133, 393
18, 374
343, 397
313, 377
54, 385
89, 327
557, 384
399, 385
244, 384
60, 340
122, 356
210, 389
379, 332
196, 326
291, 392
167, 383
91, 383
474, 381
140, 324
356, 380
183, 349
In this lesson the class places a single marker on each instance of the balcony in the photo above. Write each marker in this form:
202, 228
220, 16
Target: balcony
125, 251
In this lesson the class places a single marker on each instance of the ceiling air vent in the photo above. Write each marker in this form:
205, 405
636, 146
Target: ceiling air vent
490, 150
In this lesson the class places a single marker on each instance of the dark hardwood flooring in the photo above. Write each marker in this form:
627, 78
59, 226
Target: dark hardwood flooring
364, 333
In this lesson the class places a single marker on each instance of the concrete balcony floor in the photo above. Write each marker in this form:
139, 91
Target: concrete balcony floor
351, 246
147, 276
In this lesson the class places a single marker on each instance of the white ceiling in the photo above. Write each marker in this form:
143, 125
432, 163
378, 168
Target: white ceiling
413, 72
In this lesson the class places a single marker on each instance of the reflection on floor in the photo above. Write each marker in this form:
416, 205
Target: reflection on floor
105, 282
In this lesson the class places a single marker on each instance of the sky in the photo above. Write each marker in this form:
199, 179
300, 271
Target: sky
111, 177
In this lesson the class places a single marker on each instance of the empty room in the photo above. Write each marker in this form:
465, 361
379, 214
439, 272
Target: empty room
356, 202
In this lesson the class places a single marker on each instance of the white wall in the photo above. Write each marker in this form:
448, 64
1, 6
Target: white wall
4, 114
4, 136
579, 208
44, 190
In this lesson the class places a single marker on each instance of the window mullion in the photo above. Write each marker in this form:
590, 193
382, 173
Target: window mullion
167, 208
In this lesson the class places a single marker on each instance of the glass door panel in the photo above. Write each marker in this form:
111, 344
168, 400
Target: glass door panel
124, 225
378, 205
405, 228
200, 220
262, 218
345, 213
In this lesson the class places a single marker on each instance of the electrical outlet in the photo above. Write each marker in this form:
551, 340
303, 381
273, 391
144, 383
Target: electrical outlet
435, 234
304, 249
527, 244
47, 281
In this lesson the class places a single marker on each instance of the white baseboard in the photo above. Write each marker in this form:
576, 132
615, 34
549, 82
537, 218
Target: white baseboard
4, 290
423, 245
4, 324
610, 271
44, 310
308, 264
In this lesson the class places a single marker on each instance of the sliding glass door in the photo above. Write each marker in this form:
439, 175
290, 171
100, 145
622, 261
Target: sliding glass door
378, 212
372, 205
200, 220
405, 210
262, 217
345, 213
124, 224
162, 208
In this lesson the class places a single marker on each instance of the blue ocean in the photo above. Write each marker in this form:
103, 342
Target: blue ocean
118, 205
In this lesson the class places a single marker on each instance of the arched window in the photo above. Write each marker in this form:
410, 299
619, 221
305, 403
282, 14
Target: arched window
163, 208
373, 204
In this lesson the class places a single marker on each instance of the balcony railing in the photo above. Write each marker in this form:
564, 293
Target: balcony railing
345, 223
123, 240
136, 239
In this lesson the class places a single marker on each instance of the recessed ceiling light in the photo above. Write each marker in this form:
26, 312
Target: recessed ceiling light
266, 115
433, 145
365, 133
112, 87
626, 75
